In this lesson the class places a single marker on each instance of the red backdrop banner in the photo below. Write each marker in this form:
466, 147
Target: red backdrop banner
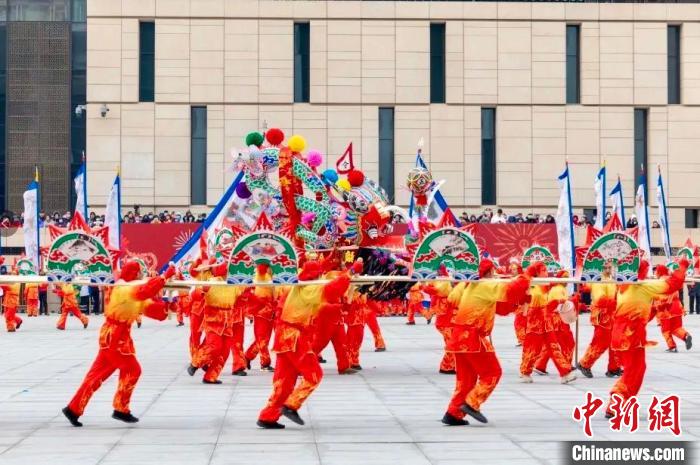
161, 239
499, 240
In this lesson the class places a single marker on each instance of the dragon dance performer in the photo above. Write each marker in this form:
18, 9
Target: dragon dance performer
669, 313
196, 318
31, 297
603, 301
415, 304
478, 370
371, 311
520, 320
263, 305
117, 351
293, 344
222, 324
10, 301
537, 337
556, 296
184, 305
69, 305
444, 311
629, 334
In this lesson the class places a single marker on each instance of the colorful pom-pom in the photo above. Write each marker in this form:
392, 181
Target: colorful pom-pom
308, 218
343, 184
314, 158
254, 138
296, 143
242, 190
330, 175
356, 178
274, 136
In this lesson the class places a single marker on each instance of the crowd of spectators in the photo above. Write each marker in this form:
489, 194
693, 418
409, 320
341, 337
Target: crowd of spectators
488, 216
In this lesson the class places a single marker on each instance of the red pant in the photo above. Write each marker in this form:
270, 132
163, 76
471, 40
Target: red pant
32, 307
239, 361
332, 333
355, 335
285, 391
11, 318
520, 325
75, 311
673, 327
634, 366
195, 334
262, 329
213, 354
532, 349
106, 362
478, 374
567, 344
448, 358
373, 325
599, 344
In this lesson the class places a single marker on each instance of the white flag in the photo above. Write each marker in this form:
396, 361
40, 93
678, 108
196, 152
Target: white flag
599, 187
663, 216
565, 224
80, 187
642, 211
31, 223
618, 202
113, 214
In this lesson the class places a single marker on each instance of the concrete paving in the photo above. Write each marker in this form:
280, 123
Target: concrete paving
388, 414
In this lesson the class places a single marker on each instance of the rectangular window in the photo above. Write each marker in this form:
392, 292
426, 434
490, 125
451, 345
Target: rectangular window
573, 69
386, 150
488, 156
437, 63
198, 160
640, 145
3, 114
147, 61
302, 45
674, 64
691, 218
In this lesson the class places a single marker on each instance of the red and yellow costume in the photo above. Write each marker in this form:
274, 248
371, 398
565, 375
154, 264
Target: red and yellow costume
263, 306
556, 296
669, 313
444, 312
31, 298
10, 301
69, 305
355, 311
478, 370
632, 313
196, 319
293, 343
117, 351
415, 303
520, 323
371, 311
184, 306
222, 326
603, 301
329, 328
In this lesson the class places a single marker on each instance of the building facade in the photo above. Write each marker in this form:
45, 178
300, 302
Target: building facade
501, 93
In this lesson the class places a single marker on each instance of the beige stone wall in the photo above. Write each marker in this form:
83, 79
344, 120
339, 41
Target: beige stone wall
236, 57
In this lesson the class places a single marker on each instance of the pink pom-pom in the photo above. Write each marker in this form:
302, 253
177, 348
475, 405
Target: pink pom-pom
308, 218
314, 158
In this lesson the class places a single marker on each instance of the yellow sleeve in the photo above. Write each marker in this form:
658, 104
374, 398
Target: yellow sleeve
443, 288
455, 295
654, 287
558, 293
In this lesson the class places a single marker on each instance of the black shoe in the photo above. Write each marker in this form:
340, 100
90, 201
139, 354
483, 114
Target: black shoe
270, 424
125, 417
428, 321
247, 364
191, 370
688, 342
356, 367
609, 414
292, 415
181, 324
448, 372
19, 325
475, 414
138, 325
72, 417
672, 350
586, 371
321, 359
450, 420
216, 381
410, 323
84, 326
380, 349
267, 368
240, 372
348, 371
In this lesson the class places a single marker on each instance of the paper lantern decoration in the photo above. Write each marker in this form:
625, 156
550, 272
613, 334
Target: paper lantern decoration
419, 181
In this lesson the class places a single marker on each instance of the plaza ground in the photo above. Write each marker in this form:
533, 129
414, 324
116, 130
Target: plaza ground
388, 414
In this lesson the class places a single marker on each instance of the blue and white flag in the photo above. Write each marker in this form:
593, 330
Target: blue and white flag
618, 202
641, 207
599, 187
663, 215
30, 226
191, 250
113, 217
437, 205
80, 182
565, 223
